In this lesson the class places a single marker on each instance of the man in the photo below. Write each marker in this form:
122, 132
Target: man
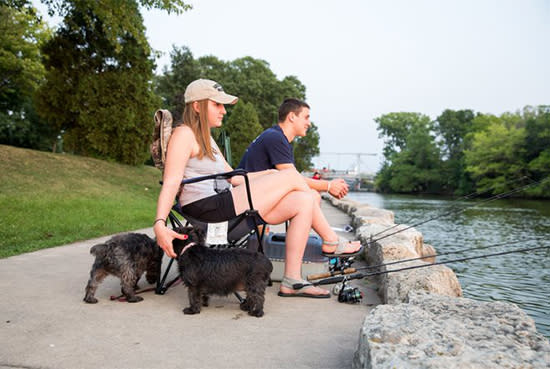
272, 148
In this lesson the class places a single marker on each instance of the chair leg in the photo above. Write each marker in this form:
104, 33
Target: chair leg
239, 297
161, 288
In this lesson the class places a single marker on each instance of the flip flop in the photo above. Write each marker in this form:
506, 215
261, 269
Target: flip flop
340, 248
300, 292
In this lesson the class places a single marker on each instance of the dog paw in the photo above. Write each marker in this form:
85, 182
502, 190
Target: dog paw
244, 306
190, 311
134, 299
256, 313
90, 300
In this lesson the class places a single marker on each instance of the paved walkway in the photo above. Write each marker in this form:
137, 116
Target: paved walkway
45, 323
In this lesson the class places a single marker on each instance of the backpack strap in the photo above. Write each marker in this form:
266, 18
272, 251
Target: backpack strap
161, 136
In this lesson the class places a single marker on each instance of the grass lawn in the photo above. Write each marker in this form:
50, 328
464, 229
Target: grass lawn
51, 199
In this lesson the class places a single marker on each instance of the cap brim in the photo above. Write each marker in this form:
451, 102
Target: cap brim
223, 98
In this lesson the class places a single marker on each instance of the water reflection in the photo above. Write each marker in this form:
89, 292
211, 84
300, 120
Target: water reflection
521, 278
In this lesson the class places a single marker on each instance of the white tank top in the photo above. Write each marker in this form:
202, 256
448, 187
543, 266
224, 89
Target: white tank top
202, 167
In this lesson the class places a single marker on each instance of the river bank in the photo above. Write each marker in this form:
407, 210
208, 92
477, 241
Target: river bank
425, 323
522, 279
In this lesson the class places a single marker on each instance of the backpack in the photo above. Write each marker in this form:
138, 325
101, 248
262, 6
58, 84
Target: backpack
161, 135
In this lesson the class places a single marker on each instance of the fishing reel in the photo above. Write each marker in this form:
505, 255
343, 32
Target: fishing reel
347, 293
340, 264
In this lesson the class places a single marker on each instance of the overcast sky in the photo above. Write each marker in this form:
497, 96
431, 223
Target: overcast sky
361, 59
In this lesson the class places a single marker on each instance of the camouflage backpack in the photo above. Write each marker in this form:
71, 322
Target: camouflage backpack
161, 135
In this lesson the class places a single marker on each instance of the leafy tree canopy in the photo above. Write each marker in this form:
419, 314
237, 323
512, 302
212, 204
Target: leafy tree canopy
250, 79
99, 68
21, 73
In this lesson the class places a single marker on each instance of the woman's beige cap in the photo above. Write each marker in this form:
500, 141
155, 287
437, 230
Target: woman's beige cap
203, 89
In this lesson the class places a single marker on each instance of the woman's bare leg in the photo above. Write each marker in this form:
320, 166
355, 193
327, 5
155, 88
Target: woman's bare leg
279, 197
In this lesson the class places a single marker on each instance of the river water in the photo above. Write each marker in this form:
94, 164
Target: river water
519, 278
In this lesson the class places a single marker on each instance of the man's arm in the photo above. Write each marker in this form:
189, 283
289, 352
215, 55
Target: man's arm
337, 187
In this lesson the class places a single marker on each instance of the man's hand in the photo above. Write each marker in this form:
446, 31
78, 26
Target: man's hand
338, 188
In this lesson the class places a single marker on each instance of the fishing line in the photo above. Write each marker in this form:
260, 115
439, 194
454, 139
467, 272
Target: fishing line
353, 270
453, 252
465, 197
341, 278
491, 199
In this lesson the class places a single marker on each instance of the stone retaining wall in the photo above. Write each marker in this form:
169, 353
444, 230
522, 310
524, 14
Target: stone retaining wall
425, 322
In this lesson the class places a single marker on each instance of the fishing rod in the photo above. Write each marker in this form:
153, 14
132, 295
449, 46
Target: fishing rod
493, 198
359, 275
376, 266
465, 197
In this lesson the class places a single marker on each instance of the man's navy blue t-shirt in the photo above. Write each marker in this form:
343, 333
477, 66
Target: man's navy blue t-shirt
270, 148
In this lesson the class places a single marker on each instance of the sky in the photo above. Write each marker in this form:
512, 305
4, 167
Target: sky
360, 59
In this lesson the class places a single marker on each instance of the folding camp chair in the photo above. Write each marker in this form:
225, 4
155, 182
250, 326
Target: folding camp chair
242, 231
245, 230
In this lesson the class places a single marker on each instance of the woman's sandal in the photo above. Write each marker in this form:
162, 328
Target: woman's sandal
301, 291
340, 249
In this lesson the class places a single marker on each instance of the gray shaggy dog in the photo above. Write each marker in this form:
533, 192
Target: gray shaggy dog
207, 271
126, 256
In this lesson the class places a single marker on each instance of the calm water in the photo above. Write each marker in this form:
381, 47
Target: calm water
520, 278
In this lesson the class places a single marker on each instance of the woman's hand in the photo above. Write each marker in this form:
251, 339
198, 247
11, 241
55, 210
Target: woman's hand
165, 236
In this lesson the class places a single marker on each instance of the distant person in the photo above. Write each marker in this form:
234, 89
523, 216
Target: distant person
316, 175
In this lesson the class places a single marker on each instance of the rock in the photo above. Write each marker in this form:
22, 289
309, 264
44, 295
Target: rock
434, 331
439, 279
366, 214
428, 253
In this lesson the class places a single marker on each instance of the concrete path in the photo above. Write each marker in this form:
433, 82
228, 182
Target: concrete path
45, 323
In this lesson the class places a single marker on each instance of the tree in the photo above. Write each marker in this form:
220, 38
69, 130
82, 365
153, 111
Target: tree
243, 127
250, 79
411, 157
452, 126
495, 159
21, 73
395, 127
99, 71
537, 147
417, 167
171, 84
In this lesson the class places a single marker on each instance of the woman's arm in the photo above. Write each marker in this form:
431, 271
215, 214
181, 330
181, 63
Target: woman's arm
181, 147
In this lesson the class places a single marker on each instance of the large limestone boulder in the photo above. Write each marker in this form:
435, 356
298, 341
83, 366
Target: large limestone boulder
367, 214
434, 331
396, 286
406, 244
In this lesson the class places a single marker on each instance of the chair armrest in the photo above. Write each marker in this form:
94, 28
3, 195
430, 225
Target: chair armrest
226, 175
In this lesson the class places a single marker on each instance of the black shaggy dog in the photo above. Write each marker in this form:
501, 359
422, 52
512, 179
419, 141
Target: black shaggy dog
207, 271
126, 256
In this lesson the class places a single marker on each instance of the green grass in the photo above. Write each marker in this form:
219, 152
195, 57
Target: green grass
50, 199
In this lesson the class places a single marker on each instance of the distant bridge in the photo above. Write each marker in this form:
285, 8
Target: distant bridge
357, 155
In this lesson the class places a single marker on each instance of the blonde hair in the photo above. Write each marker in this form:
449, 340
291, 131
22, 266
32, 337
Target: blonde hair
198, 122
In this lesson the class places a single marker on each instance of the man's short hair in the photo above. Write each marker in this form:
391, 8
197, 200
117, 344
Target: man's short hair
291, 105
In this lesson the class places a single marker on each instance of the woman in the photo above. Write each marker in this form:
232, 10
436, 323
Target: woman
277, 195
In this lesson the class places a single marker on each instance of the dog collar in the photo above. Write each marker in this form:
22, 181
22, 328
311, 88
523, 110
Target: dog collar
187, 246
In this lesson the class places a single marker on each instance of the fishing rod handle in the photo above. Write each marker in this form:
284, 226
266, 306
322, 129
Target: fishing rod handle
312, 277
